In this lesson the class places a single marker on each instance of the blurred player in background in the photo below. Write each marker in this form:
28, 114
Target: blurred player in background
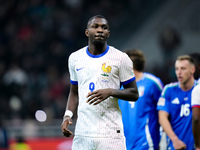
196, 115
140, 119
196, 102
174, 105
96, 73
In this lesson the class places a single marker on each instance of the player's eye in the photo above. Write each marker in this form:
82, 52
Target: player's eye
105, 27
94, 26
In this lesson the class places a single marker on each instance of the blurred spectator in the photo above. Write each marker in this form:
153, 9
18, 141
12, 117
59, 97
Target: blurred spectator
169, 40
15, 81
15, 75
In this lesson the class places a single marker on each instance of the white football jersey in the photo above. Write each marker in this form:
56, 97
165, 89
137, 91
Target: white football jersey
111, 69
196, 96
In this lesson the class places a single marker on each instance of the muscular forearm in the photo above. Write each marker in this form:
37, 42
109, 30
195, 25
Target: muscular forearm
163, 120
130, 94
72, 102
167, 128
71, 107
196, 132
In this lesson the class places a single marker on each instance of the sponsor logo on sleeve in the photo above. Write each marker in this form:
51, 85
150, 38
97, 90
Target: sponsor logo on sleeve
161, 101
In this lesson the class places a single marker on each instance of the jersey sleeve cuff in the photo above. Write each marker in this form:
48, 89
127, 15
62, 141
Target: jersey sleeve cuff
128, 81
74, 82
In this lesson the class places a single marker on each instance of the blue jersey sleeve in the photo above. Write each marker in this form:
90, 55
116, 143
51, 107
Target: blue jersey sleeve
164, 101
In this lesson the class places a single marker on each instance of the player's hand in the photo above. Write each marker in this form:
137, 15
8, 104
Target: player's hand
179, 145
98, 96
66, 122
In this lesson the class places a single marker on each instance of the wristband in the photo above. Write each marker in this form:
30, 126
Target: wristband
68, 113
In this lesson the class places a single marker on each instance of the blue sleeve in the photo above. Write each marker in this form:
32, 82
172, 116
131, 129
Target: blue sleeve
164, 101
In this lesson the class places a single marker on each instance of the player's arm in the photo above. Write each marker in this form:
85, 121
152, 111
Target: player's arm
164, 122
196, 126
72, 104
129, 93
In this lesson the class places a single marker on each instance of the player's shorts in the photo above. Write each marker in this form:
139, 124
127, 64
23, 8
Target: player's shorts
91, 143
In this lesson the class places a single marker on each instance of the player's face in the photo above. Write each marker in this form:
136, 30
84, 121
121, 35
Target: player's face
184, 71
98, 31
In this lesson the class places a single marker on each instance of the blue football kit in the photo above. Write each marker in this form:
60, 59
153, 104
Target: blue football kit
177, 103
140, 119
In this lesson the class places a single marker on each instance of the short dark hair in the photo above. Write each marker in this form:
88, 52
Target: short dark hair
138, 59
97, 16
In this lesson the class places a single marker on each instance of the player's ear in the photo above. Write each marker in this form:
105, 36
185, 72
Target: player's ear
86, 32
193, 69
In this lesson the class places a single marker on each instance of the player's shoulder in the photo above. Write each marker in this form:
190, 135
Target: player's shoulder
170, 89
196, 89
198, 81
171, 86
112, 49
154, 79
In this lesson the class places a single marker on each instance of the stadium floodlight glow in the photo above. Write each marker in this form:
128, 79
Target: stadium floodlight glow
40, 116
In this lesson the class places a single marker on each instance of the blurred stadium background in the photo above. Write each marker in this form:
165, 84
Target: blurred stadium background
37, 36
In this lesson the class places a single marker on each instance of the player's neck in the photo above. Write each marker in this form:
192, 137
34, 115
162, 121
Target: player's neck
188, 85
96, 50
138, 75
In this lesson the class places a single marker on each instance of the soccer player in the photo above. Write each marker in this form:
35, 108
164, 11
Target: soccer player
96, 73
196, 102
140, 119
174, 105
196, 115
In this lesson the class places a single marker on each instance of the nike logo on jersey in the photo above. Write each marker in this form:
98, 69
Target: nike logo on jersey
79, 68
175, 101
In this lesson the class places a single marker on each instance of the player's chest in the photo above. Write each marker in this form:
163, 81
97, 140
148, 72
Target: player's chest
181, 104
96, 67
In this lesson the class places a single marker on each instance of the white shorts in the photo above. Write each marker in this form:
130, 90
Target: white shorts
90, 143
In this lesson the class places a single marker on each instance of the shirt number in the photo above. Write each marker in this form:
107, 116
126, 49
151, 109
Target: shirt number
91, 86
185, 110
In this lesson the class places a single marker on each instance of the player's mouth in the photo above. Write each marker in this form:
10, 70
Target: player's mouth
180, 78
99, 36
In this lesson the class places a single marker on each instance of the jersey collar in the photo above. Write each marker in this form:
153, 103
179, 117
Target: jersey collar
97, 56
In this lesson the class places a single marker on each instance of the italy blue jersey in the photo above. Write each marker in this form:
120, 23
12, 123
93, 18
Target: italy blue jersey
140, 119
177, 103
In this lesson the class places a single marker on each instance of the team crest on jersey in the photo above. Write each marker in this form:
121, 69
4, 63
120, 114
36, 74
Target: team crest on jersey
141, 91
106, 72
